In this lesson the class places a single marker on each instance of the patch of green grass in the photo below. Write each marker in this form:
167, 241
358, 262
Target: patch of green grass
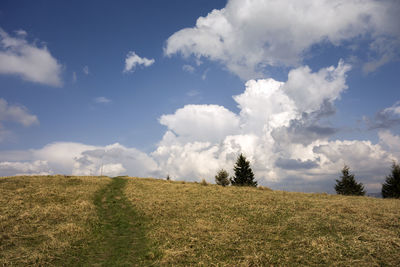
119, 236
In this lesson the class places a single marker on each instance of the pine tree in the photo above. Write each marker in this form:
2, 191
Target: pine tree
222, 178
391, 187
347, 185
243, 174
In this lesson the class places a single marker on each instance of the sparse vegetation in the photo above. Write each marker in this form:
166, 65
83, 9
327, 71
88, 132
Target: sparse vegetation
222, 178
347, 185
391, 187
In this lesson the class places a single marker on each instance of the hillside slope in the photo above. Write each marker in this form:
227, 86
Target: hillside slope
211, 225
140, 222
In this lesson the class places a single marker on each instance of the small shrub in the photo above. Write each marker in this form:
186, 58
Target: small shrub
204, 182
222, 178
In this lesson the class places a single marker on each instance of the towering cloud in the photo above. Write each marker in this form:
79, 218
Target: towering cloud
279, 128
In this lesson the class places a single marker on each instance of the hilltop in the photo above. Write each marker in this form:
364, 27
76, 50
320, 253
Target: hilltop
55, 220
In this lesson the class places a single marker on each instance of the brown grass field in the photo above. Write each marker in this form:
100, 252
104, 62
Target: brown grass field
239, 226
40, 217
184, 224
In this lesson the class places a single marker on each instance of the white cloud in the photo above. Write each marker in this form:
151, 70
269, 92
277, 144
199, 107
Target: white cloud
395, 109
116, 160
16, 113
246, 36
102, 100
390, 142
38, 167
200, 123
133, 60
32, 63
60, 155
85, 70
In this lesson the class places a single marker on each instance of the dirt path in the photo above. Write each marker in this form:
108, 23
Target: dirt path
119, 239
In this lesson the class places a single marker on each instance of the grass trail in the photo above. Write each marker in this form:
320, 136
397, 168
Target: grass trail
118, 238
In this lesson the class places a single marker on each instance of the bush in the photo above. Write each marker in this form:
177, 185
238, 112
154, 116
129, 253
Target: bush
222, 178
204, 182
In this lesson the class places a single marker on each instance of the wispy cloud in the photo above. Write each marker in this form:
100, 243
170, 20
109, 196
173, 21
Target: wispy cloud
102, 100
85, 70
132, 60
188, 68
74, 77
16, 114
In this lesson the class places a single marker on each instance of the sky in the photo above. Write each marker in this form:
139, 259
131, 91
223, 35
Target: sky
181, 88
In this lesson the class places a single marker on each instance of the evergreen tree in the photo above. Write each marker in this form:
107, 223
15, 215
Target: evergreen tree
391, 187
243, 173
222, 178
347, 185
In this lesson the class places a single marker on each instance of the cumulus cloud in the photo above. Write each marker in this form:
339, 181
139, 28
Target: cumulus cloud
132, 60
32, 63
38, 167
78, 159
247, 36
278, 129
115, 160
199, 123
386, 118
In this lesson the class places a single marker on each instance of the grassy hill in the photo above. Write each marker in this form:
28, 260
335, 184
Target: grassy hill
62, 220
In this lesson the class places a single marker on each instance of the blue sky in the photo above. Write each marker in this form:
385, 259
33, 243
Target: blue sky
202, 88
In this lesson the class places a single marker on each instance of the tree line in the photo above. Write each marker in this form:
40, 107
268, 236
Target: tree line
346, 185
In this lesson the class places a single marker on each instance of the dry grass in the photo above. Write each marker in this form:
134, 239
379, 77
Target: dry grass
40, 217
217, 226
